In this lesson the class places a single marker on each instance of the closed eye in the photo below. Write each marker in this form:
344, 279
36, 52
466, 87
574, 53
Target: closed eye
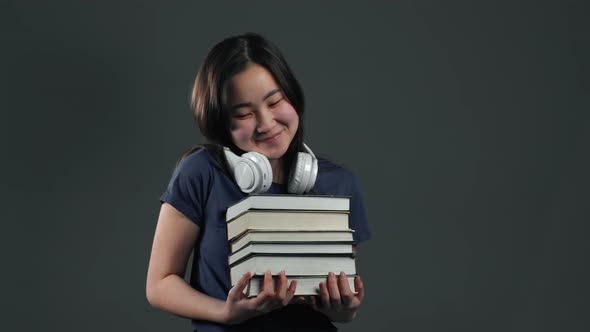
276, 102
241, 116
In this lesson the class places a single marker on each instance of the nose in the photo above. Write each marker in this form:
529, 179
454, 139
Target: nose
266, 120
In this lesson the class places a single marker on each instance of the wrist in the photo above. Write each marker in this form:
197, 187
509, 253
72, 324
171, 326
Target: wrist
228, 317
231, 315
220, 313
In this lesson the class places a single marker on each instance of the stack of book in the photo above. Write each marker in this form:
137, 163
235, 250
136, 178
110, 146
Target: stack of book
306, 236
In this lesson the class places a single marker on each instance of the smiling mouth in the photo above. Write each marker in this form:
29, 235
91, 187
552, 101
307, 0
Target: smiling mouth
271, 139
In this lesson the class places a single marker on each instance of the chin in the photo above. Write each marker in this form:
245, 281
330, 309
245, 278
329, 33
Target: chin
273, 154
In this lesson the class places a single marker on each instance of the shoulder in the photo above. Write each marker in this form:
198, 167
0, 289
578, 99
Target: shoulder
198, 157
334, 179
327, 167
198, 164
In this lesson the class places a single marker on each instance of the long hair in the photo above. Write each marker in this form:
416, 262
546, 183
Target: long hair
209, 98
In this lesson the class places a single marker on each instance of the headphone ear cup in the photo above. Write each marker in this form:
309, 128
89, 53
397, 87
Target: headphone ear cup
300, 174
262, 171
245, 175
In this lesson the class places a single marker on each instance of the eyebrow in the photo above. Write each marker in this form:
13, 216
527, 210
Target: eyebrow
272, 92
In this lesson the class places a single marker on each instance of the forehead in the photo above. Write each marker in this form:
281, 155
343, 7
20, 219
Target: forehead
251, 84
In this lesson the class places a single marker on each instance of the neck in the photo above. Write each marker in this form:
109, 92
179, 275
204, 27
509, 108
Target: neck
277, 171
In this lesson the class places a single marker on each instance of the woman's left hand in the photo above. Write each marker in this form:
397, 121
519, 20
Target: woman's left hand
337, 300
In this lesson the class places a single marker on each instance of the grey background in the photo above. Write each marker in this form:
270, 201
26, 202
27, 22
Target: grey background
465, 123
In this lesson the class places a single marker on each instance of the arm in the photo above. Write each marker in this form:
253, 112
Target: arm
166, 289
165, 286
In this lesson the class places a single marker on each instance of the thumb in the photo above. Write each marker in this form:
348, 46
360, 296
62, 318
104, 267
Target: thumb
237, 292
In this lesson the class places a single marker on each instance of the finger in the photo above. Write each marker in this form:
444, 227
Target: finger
281, 289
268, 286
324, 296
237, 292
359, 288
291, 292
335, 299
266, 300
346, 293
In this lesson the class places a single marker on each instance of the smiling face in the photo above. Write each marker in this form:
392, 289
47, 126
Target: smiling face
261, 117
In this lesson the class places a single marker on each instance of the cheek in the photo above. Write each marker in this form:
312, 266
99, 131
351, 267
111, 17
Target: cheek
241, 130
289, 116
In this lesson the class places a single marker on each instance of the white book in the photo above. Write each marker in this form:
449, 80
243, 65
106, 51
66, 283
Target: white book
291, 248
301, 236
288, 202
283, 220
305, 285
293, 265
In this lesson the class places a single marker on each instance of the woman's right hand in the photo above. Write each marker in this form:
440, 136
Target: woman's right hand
238, 307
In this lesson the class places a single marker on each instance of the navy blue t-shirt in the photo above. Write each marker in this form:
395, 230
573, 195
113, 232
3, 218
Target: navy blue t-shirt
202, 191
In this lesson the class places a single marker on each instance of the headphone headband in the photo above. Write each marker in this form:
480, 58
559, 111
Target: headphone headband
306, 148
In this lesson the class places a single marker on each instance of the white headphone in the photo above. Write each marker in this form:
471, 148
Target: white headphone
253, 174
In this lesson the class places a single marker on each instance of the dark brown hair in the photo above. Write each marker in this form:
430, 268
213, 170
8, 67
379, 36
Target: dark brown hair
209, 98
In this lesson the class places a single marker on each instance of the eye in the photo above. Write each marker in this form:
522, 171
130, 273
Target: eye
275, 103
241, 116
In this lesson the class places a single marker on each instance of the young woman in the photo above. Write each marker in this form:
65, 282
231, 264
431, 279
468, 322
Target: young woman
244, 98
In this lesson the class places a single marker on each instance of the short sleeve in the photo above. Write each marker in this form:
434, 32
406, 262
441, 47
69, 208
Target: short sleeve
357, 218
188, 187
